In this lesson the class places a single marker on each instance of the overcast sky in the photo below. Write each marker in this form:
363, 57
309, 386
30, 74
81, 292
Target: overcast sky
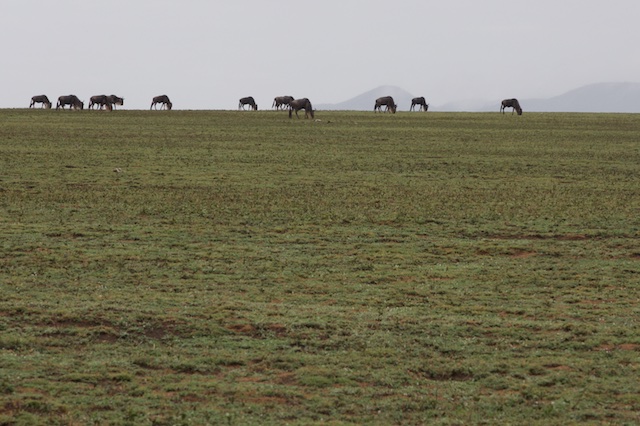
206, 54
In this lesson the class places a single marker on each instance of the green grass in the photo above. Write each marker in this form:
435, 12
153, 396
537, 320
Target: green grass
212, 267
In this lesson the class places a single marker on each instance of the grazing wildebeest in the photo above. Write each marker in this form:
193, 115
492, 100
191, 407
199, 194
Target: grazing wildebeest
100, 100
281, 102
162, 99
114, 100
424, 106
511, 103
40, 99
386, 101
299, 104
71, 100
248, 101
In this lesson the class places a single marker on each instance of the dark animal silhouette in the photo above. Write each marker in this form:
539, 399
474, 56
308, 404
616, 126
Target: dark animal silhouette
162, 99
424, 106
114, 100
386, 101
40, 99
281, 102
511, 103
299, 104
248, 101
71, 100
100, 100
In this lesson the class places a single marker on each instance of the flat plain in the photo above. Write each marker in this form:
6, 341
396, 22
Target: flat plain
226, 267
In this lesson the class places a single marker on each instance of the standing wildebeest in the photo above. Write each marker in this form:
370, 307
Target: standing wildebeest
248, 101
71, 100
162, 99
281, 102
386, 101
100, 100
40, 99
424, 106
511, 103
299, 104
114, 100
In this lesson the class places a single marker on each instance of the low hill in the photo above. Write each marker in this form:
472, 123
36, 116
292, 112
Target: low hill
597, 97
366, 101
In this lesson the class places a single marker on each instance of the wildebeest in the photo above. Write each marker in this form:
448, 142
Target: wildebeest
114, 100
40, 99
71, 100
248, 101
100, 100
511, 103
281, 102
424, 106
299, 104
386, 101
162, 99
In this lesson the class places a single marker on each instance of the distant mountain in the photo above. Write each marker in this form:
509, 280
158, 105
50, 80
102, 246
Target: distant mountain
367, 100
598, 97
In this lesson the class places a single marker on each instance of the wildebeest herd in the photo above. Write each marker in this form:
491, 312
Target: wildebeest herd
279, 103
104, 101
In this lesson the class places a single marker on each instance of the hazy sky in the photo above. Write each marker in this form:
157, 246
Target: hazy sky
206, 54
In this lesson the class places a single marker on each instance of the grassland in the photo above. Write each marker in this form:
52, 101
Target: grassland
212, 267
